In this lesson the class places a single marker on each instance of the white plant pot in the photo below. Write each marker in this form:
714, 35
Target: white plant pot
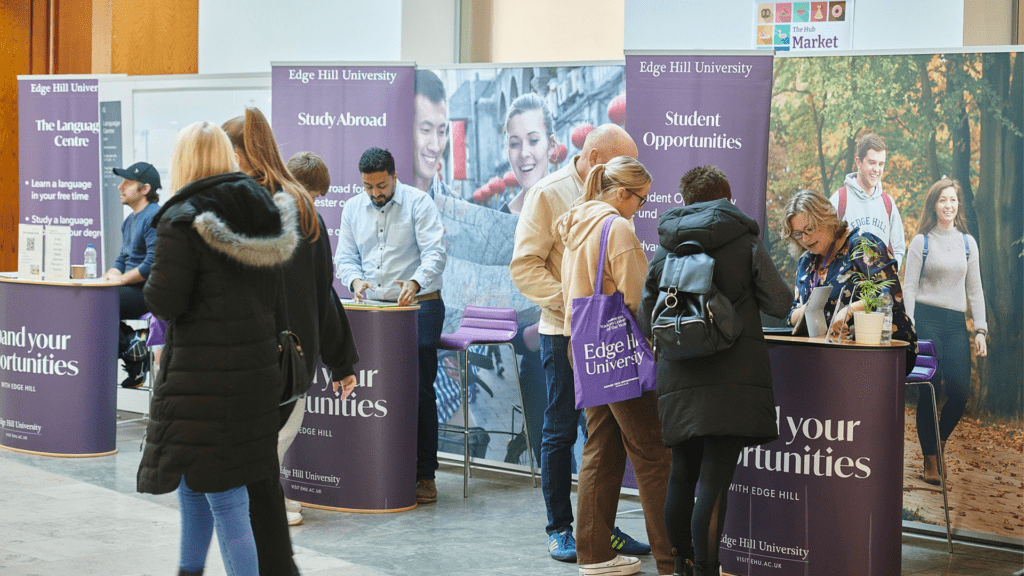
868, 327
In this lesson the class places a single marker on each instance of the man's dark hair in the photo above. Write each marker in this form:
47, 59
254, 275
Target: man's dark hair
377, 160
704, 184
152, 195
311, 171
867, 142
429, 86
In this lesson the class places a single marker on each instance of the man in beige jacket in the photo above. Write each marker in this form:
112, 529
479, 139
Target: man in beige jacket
536, 269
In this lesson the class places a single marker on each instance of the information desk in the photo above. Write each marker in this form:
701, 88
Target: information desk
58, 363
826, 497
359, 455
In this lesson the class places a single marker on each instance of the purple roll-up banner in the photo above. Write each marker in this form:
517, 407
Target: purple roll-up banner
686, 110
338, 111
59, 159
58, 350
826, 497
359, 454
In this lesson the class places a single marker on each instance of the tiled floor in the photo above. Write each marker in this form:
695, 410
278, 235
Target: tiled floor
83, 517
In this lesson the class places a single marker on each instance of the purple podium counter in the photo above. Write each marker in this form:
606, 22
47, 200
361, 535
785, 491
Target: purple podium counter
58, 362
359, 455
826, 497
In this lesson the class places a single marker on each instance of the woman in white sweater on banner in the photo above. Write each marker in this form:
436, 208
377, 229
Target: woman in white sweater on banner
942, 278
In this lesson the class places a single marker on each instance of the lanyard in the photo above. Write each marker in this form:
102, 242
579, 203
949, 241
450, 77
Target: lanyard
823, 269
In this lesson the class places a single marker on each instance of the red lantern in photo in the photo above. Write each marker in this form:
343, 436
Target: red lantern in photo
559, 153
579, 134
495, 186
617, 110
479, 195
510, 180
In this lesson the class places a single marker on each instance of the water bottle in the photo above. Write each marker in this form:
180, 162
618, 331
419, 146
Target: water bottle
90, 261
886, 309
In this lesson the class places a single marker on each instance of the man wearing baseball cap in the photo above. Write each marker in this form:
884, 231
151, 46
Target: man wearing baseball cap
138, 192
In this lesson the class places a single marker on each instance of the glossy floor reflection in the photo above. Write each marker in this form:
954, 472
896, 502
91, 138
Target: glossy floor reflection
69, 516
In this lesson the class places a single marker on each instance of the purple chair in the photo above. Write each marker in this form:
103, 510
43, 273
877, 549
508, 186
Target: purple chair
482, 327
924, 370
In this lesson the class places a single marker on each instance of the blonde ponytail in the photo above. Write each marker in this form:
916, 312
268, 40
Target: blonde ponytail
619, 172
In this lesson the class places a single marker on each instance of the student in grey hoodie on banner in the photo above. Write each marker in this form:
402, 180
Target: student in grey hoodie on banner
863, 204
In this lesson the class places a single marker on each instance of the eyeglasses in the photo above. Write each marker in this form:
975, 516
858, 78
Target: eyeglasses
799, 234
643, 199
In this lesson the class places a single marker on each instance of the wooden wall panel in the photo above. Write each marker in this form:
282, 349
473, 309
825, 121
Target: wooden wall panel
40, 31
15, 59
1020, 23
72, 36
155, 37
102, 28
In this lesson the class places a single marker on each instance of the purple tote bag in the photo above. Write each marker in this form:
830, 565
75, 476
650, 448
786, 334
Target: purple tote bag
611, 359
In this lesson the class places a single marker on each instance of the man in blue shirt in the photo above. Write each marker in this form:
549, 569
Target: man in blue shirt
131, 268
391, 248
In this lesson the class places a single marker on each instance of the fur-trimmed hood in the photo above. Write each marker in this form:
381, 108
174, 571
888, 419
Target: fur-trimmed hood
238, 218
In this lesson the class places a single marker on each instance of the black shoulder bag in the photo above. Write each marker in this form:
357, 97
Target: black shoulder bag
295, 382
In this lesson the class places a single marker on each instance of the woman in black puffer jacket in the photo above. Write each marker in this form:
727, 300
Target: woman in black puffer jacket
711, 407
213, 422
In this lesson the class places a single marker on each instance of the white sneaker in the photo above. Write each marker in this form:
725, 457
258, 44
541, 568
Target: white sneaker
292, 505
295, 518
618, 566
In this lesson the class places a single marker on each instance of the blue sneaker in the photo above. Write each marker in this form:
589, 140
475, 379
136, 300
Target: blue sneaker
624, 544
562, 546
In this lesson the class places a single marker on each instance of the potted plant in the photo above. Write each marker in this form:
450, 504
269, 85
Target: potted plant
867, 325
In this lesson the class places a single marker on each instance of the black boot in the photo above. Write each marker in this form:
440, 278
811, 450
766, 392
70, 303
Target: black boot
706, 569
683, 565
182, 572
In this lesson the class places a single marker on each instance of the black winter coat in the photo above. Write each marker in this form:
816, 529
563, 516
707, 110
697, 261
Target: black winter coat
315, 313
214, 415
728, 393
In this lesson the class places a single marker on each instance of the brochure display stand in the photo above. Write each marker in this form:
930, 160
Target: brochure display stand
58, 362
826, 497
359, 454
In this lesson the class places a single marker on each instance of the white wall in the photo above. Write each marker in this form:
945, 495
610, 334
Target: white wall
428, 31
247, 35
729, 24
556, 30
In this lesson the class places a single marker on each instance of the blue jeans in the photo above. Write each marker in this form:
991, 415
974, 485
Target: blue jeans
229, 511
430, 322
559, 433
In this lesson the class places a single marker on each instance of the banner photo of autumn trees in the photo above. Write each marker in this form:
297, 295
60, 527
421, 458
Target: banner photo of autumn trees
955, 116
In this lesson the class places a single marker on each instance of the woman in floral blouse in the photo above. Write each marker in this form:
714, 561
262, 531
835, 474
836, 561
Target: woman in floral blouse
813, 228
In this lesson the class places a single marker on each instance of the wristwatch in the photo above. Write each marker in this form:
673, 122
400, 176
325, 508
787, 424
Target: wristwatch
981, 331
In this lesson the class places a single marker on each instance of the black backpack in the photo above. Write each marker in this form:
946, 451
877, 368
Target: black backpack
691, 318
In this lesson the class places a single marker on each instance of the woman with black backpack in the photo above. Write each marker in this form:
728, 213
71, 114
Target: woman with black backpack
712, 406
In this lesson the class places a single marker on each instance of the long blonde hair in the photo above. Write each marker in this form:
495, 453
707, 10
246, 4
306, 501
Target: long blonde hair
200, 150
620, 172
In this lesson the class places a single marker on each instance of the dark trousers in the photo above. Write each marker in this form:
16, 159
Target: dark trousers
948, 330
430, 321
133, 305
270, 521
632, 428
711, 461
